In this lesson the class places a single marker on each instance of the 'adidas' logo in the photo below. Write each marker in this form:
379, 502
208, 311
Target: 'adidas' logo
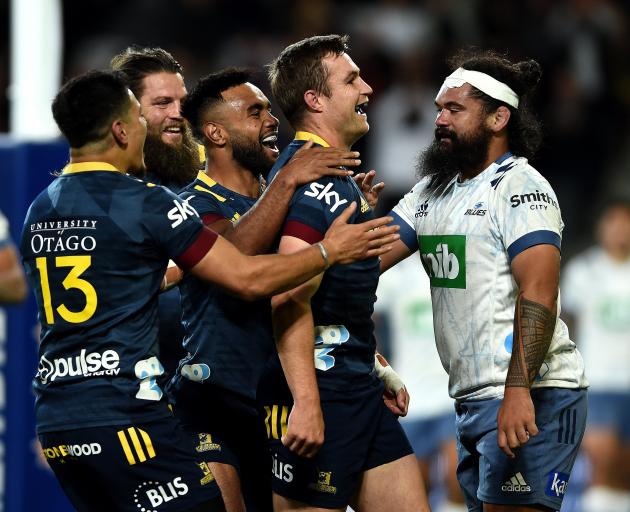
516, 484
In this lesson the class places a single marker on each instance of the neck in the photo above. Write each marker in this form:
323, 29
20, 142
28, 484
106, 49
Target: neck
91, 154
228, 172
496, 148
330, 135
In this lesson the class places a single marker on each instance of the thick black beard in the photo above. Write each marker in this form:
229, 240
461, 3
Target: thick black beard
441, 162
251, 155
176, 165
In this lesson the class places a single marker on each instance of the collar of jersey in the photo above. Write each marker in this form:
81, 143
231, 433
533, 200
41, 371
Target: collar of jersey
503, 157
311, 136
89, 167
202, 176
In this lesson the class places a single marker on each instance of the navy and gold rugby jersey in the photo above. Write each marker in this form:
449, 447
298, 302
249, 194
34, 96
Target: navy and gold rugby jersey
228, 339
95, 245
342, 307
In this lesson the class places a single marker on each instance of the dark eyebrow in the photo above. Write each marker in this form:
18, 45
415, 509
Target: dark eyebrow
449, 105
258, 106
352, 75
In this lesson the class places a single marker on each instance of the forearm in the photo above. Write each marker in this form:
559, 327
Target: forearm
255, 231
255, 277
534, 325
294, 332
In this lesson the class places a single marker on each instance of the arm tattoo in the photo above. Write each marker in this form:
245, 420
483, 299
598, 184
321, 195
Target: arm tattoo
533, 329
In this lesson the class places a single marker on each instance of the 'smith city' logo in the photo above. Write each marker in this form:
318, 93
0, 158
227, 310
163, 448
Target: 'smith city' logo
444, 259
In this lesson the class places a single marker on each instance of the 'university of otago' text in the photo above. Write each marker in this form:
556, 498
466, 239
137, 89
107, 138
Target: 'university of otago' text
62, 236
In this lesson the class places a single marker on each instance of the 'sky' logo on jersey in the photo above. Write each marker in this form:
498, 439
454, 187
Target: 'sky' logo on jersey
319, 191
181, 212
444, 259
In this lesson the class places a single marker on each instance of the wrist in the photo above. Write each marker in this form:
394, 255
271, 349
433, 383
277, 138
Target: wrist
328, 252
286, 179
324, 254
306, 401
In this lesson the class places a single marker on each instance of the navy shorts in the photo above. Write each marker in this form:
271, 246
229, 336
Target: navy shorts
428, 435
361, 434
610, 410
540, 472
237, 432
150, 467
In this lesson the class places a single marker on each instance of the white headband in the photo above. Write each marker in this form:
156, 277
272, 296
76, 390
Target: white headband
485, 83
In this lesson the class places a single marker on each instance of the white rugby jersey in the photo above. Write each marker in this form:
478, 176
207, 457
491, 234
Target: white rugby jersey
467, 238
596, 291
403, 295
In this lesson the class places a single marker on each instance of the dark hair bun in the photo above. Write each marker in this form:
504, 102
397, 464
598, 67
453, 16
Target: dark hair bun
530, 73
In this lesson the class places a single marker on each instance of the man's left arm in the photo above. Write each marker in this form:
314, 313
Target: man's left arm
536, 271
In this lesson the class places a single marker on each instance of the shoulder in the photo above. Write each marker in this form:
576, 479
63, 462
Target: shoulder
517, 173
284, 157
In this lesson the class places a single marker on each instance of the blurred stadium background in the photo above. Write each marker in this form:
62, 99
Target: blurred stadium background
401, 47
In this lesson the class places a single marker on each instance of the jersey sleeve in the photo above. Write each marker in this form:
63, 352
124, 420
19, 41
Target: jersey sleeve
404, 214
526, 212
207, 205
176, 227
314, 207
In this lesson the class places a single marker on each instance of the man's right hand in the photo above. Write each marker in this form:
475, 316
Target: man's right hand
346, 243
311, 163
305, 429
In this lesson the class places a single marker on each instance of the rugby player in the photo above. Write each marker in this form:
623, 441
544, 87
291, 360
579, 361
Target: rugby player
488, 229
327, 321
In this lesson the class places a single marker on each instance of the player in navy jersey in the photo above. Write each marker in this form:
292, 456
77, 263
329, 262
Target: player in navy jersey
325, 375
227, 339
95, 245
171, 156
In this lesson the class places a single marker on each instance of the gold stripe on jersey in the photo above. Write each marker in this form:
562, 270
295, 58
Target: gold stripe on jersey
283, 420
136, 444
147, 443
202, 176
89, 166
276, 415
311, 136
135, 448
267, 418
204, 189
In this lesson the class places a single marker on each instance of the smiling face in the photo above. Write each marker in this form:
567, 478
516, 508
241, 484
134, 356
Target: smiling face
162, 94
252, 128
345, 109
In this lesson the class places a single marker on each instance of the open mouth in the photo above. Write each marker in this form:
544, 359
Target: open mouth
270, 141
173, 131
361, 108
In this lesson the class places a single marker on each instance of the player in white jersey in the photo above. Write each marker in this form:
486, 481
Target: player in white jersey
405, 326
488, 228
596, 298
